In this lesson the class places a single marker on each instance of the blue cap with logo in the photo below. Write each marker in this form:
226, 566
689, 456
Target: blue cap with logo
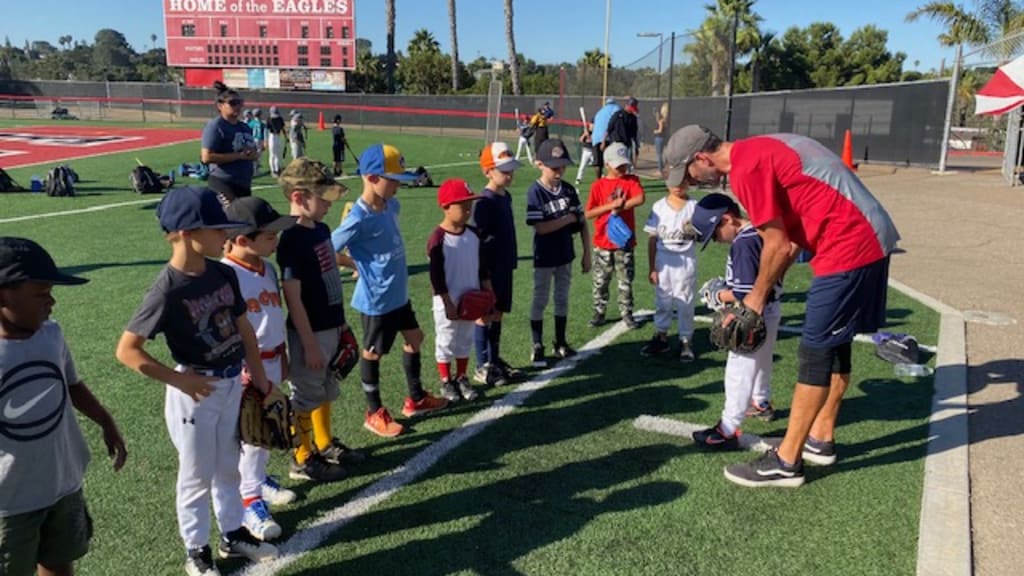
386, 161
708, 214
193, 208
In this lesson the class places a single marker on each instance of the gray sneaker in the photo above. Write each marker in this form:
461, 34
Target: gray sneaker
685, 351
466, 389
450, 391
819, 452
766, 471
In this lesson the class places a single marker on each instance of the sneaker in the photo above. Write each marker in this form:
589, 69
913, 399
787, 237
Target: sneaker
819, 452
480, 374
685, 351
338, 453
258, 521
539, 361
241, 544
316, 469
578, 182
766, 470
381, 424
274, 494
426, 404
199, 562
763, 411
510, 373
564, 351
495, 376
597, 320
658, 345
466, 389
714, 439
629, 321
450, 391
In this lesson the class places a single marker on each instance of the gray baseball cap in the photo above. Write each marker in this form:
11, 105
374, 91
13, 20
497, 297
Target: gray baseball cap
681, 149
616, 154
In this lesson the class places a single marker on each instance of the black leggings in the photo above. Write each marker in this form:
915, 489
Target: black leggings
227, 190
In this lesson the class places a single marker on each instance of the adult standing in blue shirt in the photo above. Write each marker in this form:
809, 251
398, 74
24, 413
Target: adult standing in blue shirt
229, 148
601, 121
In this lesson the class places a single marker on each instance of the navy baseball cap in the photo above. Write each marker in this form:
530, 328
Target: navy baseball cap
193, 208
708, 214
22, 259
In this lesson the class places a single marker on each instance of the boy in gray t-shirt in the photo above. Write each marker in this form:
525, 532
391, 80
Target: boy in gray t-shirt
43, 456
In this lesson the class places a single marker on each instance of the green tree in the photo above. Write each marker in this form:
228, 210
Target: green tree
112, 55
425, 70
868, 60
711, 41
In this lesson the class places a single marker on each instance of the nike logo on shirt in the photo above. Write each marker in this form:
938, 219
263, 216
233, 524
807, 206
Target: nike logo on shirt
12, 412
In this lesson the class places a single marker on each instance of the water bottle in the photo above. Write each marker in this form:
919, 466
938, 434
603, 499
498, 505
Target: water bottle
913, 370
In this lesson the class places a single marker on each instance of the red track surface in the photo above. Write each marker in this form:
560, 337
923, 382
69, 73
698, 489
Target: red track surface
54, 144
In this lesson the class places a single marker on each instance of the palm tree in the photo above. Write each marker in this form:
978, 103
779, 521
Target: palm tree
510, 39
962, 27
152, 40
714, 36
389, 70
759, 57
423, 41
455, 45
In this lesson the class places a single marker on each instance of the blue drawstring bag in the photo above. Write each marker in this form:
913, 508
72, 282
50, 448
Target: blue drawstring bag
618, 231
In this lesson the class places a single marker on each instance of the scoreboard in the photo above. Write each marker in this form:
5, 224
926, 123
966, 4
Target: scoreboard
261, 34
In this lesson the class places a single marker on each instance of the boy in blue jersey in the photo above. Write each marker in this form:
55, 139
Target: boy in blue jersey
374, 242
748, 386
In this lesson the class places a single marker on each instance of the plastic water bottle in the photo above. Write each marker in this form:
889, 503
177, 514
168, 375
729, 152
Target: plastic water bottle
913, 370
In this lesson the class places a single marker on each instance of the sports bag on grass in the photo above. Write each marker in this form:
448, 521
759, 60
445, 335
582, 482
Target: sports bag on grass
145, 181
7, 184
60, 182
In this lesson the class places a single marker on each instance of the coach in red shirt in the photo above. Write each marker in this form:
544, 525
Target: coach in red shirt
798, 194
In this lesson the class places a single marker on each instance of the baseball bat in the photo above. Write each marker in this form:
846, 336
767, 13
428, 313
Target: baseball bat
583, 117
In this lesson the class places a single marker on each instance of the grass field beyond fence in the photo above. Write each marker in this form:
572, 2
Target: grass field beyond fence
562, 485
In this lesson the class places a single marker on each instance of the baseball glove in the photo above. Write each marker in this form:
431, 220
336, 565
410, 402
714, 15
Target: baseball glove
346, 356
476, 304
266, 421
709, 293
738, 329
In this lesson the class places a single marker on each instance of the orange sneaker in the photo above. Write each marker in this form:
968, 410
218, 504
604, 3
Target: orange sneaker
381, 424
427, 404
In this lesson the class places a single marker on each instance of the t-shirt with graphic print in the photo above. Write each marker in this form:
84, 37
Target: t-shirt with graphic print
223, 137
305, 254
43, 455
542, 205
196, 314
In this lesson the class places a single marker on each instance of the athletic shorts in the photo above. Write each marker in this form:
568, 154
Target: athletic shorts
53, 536
339, 153
379, 331
842, 305
501, 282
226, 190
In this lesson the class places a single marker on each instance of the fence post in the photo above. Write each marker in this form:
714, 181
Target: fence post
142, 104
950, 104
671, 83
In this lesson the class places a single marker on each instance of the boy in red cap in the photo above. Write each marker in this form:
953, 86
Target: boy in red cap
456, 267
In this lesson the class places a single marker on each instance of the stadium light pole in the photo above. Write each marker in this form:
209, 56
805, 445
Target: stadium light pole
607, 31
661, 43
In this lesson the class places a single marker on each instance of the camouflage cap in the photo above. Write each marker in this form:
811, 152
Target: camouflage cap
312, 175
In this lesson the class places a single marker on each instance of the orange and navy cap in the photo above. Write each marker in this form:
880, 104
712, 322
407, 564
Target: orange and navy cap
385, 161
497, 155
454, 190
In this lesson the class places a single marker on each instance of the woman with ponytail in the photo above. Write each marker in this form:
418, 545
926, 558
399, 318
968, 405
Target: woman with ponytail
229, 148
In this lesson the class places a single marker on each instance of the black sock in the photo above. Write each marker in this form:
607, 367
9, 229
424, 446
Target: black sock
537, 331
369, 370
494, 339
560, 323
411, 365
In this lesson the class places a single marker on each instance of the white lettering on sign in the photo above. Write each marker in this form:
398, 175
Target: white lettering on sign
198, 6
310, 6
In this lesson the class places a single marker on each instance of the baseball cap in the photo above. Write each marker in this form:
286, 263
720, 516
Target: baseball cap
708, 214
386, 161
616, 154
681, 149
312, 175
553, 153
22, 259
454, 190
497, 155
192, 208
258, 215
609, 100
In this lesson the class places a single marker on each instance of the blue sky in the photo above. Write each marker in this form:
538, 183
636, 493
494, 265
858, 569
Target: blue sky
546, 30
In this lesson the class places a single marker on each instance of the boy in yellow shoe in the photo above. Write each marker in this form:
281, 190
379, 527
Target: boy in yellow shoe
374, 242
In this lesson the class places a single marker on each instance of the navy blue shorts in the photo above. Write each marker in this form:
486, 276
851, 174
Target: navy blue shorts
842, 305
501, 283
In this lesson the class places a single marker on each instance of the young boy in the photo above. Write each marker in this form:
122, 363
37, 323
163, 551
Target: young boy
44, 524
316, 319
617, 193
587, 156
338, 143
195, 302
297, 135
672, 265
246, 253
554, 211
259, 134
492, 216
525, 132
371, 234
748, 377
457, 265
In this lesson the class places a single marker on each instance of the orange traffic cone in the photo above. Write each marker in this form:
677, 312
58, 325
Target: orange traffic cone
848, 151
322, 126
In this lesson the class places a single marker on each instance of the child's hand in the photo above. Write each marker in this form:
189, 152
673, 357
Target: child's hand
451, 311
652, 277
195, 385
115, 445
314, 357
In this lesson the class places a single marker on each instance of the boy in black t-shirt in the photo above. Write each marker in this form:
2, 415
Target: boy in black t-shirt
196, 303
316, 319
338, 145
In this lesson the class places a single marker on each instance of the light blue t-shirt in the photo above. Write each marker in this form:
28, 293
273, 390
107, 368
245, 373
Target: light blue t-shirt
375, 244
601, 121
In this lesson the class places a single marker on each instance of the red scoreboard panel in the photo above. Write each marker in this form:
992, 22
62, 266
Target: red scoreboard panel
314, 34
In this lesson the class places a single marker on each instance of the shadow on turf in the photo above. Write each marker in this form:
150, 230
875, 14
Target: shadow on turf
535, 511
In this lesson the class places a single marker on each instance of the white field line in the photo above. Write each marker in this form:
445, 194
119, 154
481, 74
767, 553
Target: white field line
307, 539
155, 198
685, 430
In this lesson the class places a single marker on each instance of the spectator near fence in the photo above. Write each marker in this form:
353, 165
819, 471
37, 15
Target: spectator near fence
229, 148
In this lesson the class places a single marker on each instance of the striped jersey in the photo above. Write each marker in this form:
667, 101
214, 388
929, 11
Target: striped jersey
822, 204
744, 262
